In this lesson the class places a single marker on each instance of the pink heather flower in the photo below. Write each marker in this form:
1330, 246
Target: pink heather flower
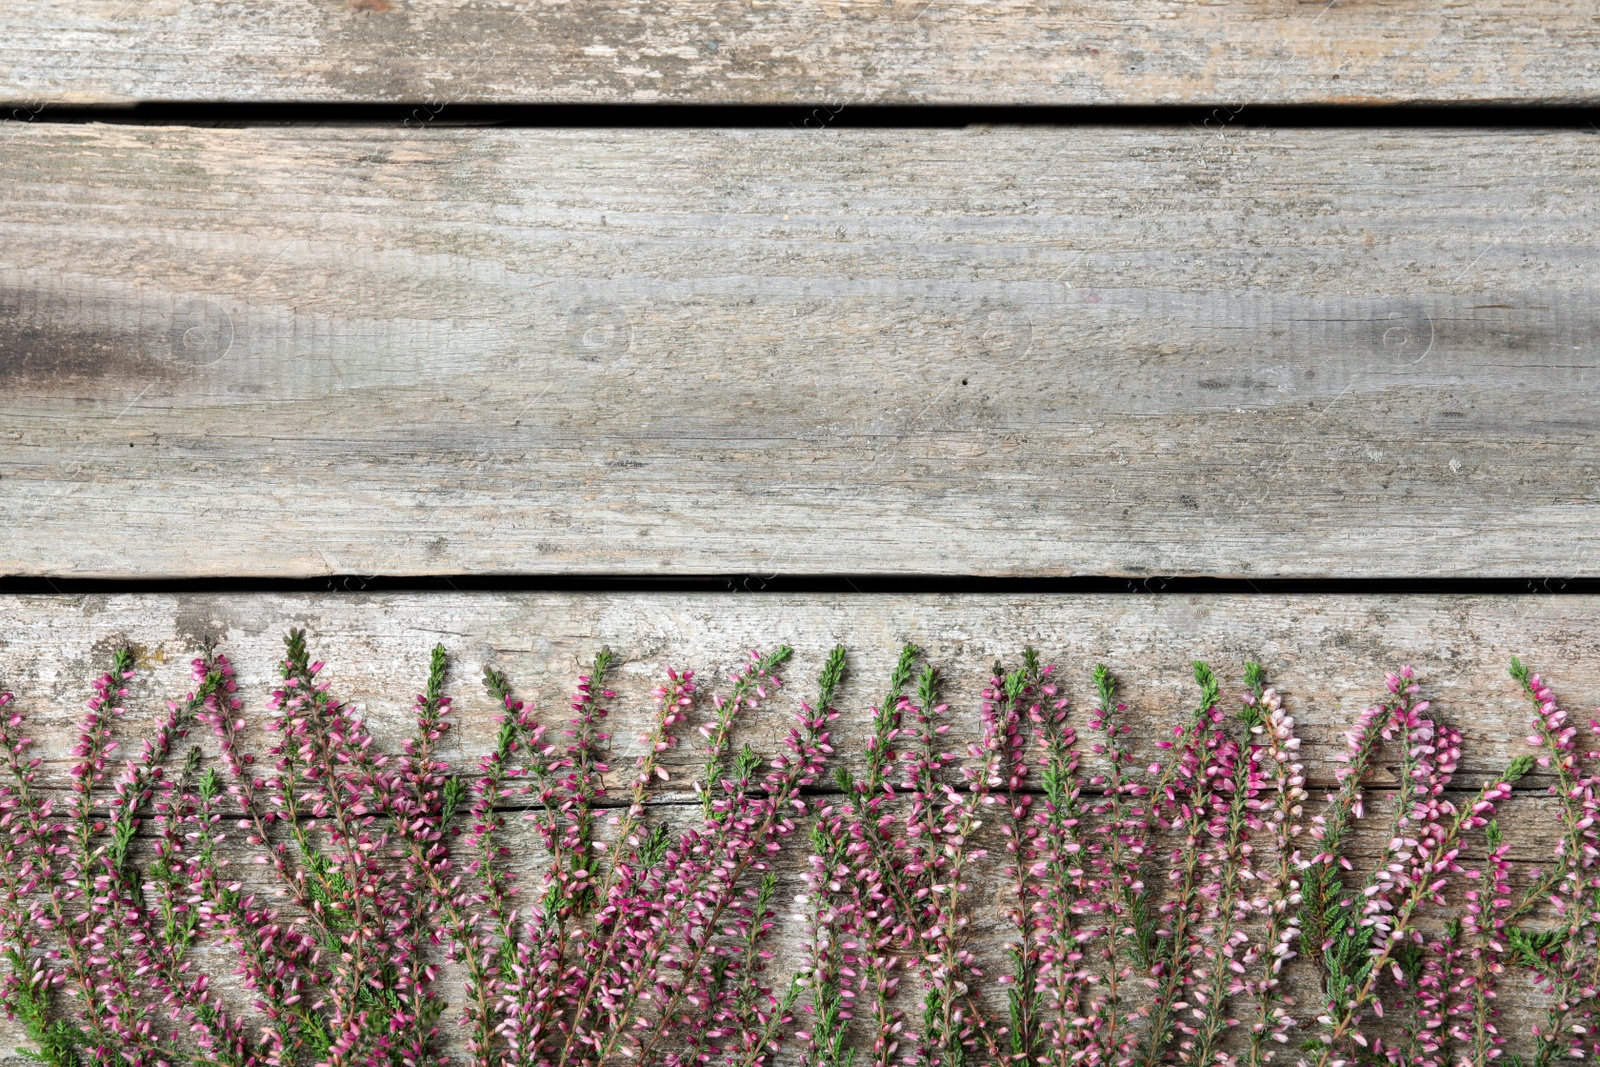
1120, 927
1480, 961
1382, 964
1192, 800
1153, 908
1278, 896
1565, 964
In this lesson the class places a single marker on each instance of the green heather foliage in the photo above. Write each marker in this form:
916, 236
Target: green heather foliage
1194, 906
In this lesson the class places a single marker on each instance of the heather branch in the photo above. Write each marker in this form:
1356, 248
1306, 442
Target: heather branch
686, 890
1345, 1012
165, 952
542, 966
902, 901
1282, 896
1484, 930
81, 932
317, 725
1189, 812
749, 688
517, 728
1556, 956
1233, 860
810, 748
26, 989
1019, 702
673, 700
1321, 912
1116, 889
1055, 850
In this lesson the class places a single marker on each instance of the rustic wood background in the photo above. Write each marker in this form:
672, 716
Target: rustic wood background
833, 52
1021, 351
408, 347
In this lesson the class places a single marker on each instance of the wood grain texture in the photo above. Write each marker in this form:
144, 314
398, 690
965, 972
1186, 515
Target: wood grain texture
1328, 655
833, 53
989, 351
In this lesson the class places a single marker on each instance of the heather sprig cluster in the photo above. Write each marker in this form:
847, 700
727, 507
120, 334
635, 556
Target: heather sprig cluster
1408, 952
1099, 973
1563, 956
1376, 957
653, 943
1059, 891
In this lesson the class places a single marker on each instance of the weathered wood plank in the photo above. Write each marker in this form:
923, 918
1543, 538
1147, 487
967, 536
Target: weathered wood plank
1328, 655
838, 54
993, 351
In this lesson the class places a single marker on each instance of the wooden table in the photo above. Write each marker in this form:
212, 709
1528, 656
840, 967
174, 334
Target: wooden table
531, 328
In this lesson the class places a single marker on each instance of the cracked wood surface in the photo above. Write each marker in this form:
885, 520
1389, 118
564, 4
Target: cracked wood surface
434, 53
1011, 351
